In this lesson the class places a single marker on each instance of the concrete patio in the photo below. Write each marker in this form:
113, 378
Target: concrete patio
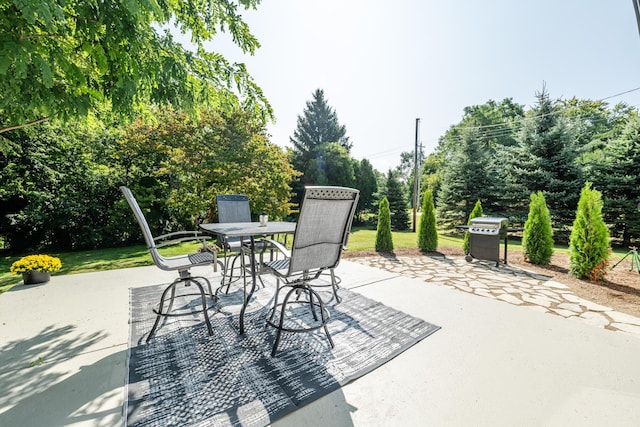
495, 362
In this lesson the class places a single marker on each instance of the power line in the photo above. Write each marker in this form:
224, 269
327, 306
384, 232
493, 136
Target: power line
506, 128
621, 93
383, 153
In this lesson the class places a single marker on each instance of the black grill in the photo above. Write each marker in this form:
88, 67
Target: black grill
485, 234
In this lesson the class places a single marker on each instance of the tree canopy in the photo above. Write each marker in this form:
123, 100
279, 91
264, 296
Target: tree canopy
64, 58
321, 147
545, 159
59, 185
616, 174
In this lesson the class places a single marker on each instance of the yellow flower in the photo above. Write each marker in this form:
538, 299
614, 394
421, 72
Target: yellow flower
36, 263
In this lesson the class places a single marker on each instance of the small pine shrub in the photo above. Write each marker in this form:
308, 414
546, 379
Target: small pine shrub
476, 212
537, 237
384, 242
589, 241
428, 234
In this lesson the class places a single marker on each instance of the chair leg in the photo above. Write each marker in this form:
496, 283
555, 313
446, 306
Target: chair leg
275, 299
187, 280
281, 321
322, 315
203, 300
313, 296
334, 286
159, 314
227, 273
312, 306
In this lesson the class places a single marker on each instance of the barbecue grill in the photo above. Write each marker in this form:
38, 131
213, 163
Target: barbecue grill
485, 234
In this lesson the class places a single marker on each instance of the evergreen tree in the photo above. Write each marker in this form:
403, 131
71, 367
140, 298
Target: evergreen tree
469, 176
589, 242
616, 174
545, 160
313, 153
468, 163
366, 182
537, 237
476, 212
428, 235
384, 241
397, 202
333, 166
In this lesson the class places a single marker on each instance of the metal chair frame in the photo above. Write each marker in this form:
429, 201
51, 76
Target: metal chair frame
321, 235
181, 263
232, 208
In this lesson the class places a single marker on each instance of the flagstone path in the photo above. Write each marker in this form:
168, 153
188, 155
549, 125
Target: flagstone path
506, 283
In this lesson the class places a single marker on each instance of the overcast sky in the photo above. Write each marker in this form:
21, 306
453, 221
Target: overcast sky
382, 64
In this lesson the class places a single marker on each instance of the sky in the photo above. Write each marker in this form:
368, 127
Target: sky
383, 64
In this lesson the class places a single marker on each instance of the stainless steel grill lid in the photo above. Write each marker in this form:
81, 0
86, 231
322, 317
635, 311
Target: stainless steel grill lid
488, 225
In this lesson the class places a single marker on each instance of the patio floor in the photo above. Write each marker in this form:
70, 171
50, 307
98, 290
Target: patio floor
503, 356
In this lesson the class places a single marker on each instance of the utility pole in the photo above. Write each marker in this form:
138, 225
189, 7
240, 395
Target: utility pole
636, 7
416, 178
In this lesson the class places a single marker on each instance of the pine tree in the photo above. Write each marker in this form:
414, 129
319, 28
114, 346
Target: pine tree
616, 175
313, 152
384, 241
428, 234
545, 160
476, 212
397, 202
589, 242
537, 237
469, 176
367, 183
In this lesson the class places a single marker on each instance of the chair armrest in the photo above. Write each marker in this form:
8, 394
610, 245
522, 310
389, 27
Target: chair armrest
180, 236
279, 246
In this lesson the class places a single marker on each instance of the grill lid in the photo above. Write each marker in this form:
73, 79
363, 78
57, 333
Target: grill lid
490, 221
488, 225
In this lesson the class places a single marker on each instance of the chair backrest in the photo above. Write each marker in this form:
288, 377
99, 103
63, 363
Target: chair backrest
233, 208
323, 227
158, 259
146, 231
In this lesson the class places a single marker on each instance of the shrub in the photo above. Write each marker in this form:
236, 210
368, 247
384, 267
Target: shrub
589, 241
397, 202
428, 235
476, 212
537, 237
384, 242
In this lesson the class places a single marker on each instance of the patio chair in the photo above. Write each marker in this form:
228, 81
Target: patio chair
232, 208
321, 234
181, 263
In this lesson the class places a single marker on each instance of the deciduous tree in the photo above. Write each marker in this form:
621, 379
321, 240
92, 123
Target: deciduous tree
61, 59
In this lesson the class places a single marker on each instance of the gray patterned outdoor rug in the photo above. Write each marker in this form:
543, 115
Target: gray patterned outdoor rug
184, 377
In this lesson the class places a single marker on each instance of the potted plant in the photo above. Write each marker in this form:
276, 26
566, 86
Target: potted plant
36, 268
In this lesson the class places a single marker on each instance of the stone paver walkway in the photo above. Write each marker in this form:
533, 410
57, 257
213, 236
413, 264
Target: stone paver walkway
506, 283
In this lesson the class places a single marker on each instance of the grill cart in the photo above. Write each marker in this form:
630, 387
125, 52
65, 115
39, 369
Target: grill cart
485, 234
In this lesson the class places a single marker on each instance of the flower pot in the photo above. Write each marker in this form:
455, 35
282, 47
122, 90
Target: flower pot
34, 277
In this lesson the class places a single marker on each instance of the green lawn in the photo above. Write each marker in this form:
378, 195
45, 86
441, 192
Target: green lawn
361, 239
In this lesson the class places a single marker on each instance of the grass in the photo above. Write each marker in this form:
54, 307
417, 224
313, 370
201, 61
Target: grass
361, 239
95, 260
